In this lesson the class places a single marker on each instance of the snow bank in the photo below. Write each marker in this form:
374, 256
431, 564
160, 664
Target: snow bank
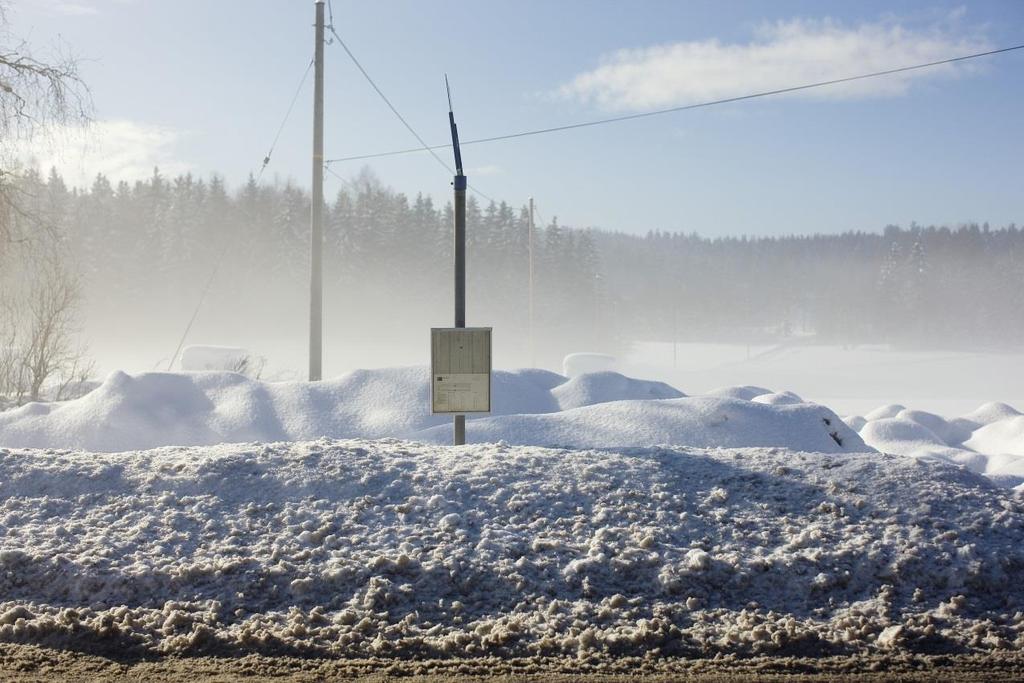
696, 421
891, 433
535, 407
778, 398
991, 412
531, 407
390, 548
164, 409
745, 393
602, 387
988, 441
1002, 436
883, 412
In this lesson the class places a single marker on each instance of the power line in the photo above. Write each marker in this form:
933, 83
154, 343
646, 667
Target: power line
387, 101
538, 214
280, 129
373, 84
699, 105
228, 243
344, 180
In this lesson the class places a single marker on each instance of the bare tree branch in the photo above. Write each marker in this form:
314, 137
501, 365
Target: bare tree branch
38, 356
37, 95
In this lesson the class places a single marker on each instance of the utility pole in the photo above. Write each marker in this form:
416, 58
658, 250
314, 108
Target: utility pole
675, 330
316, 279
460, 184
533, 348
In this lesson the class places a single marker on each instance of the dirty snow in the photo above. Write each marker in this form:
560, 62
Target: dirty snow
394, 548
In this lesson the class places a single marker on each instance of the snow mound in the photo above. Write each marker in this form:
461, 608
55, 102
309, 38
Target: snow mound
395, 549
184, 409
883, 412
695, 421
951, 434
782, 398
603, 387
855, 422
745, 393
898, 435
1005, 436
991, 412
530, 407
576, 364
989, 441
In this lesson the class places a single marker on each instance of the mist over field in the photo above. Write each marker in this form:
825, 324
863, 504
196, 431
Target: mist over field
151, 254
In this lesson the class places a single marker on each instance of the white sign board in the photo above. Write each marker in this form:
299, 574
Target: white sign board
460, 369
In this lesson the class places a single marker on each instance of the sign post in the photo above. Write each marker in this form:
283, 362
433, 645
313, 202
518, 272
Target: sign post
460, 366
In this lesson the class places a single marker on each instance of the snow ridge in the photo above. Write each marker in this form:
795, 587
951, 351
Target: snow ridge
530, 407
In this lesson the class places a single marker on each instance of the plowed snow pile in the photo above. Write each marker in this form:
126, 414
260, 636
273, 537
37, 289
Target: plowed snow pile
989, 440
530, 407
395, 548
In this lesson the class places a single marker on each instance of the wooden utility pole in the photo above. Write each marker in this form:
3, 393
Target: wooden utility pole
460, 183
533, 347
316, 279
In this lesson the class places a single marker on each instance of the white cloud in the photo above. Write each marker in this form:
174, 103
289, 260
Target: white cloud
782, 54
486, 170
71, 8
74, 9
120, 150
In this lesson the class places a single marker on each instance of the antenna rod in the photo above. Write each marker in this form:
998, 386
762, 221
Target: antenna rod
455, 131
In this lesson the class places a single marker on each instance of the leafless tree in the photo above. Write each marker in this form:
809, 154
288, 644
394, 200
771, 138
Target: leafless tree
36, 95
13, 376
39, 357
49, 351
39, 295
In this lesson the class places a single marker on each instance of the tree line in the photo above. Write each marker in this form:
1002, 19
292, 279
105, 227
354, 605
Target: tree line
149, 247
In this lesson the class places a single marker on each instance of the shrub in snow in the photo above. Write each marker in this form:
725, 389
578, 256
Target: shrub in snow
206, 358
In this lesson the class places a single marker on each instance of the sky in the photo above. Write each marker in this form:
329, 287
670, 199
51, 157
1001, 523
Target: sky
202, 86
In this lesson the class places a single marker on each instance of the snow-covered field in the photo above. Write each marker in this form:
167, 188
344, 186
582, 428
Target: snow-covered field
328, 518
850, 380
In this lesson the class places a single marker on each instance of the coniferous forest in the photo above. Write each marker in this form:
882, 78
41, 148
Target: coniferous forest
148, 250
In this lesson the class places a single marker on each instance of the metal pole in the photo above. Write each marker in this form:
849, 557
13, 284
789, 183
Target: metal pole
533, 348
460, 281
460, 252
460, 183
316, 286
675, 331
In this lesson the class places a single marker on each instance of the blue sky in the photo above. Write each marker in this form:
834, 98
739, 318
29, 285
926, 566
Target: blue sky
203, 85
